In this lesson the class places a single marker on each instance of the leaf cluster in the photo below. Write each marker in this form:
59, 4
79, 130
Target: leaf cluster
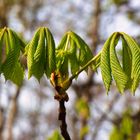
65, 62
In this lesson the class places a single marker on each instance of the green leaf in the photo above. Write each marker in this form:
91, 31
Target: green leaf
16, 75
116, 135
61, 45
135, 50
55, 136
116, 69
127, 126
1, 47
82, 108
21, 42
50, 53
30, 50
105, 64
11, 67
85, 53
39, 56
127, 62
64, 68
84, 131
73, 58
76, 50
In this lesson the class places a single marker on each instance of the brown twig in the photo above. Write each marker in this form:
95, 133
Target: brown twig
62, 118
62, 115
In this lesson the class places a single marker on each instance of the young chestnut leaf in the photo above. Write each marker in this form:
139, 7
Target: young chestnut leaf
118, 74
73, 49
41, 54
10, 65
126, 73
135, 52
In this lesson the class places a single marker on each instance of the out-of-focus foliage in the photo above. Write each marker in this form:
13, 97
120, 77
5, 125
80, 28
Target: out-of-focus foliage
84, 131
124, 129
83, 109
120, 2
55, 136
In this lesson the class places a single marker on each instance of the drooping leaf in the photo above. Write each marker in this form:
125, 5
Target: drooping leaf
105, 64
50, 53
127, 62
73, 58
41, 54
21, 42
85, 53
135, 50
116, 69
30, 50
11, 68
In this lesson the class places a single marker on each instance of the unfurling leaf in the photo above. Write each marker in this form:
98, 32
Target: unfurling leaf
72, 53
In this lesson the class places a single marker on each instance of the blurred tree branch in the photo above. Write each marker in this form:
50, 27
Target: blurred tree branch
12, 114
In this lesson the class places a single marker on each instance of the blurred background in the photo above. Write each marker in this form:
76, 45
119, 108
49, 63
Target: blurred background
30, 112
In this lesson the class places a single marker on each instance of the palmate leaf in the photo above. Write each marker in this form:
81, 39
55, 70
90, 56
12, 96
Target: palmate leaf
11, 67
41, 54
127, 73
110, 65
75, 49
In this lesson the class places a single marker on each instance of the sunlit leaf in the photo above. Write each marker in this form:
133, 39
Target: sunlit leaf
50, 53
41, 54
135, 50
75, 49
105, 64
127, 62
116, 69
